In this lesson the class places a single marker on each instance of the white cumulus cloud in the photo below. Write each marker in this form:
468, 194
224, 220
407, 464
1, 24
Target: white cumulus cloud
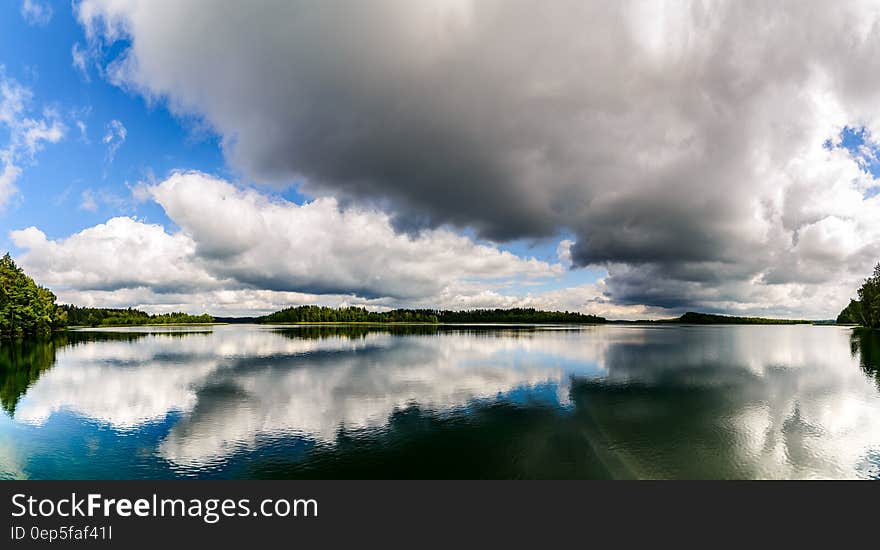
240, 246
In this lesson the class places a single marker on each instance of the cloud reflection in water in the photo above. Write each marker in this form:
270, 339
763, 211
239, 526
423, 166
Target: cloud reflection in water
770, 402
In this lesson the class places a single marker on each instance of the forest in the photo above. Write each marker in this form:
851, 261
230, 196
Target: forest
866, 310
517, 315
693, 318
321, 314
104, 317
26, 309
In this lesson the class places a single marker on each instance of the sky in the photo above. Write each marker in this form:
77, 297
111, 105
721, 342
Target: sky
629, 159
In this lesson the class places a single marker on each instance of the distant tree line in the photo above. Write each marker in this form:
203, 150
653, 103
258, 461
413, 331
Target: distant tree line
321, 314
866, 310
517, 315
103, 317
693, 318
26, 309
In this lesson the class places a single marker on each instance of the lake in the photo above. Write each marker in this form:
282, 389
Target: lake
612, 401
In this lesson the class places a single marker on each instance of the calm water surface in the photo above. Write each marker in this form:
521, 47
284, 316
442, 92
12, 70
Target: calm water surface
470, 402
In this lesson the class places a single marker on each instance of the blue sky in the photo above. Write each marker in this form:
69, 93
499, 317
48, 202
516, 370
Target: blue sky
39, 58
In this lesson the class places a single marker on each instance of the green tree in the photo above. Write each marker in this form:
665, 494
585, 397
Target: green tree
851, 314
26, 309
866, 310
869, 296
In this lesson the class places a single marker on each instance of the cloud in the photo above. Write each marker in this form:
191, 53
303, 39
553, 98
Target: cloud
83, 131
80, 60
92, 199
114, 136
8, 176
319, 247
236, 242
563, 251
121, 253
36, 13
88, 201
26, 134
671, 140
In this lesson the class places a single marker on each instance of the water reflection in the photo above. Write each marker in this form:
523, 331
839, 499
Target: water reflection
22, 361
343, 401
865, 345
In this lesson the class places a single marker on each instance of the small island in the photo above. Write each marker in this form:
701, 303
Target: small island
694, 318
318, 314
